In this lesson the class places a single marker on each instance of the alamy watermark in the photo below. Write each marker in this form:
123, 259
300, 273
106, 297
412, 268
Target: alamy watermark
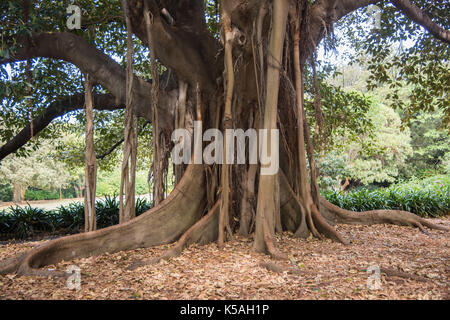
374, 13
263, 146
74, 20
374, 280
73, 282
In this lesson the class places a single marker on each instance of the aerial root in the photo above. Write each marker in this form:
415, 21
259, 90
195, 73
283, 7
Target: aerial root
310, 222
203, 231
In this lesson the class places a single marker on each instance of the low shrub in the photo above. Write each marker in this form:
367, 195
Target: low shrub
428, 198
25, 222
32, 194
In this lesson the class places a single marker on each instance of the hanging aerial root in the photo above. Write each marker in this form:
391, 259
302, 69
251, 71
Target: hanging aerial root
397, 217
227, 124
202, 232
162, 224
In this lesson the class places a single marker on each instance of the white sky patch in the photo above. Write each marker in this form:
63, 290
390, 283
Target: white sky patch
8, 70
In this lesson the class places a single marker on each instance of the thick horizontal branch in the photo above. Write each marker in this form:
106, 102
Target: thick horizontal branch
100, 67
417, 15
55, 110
186, 47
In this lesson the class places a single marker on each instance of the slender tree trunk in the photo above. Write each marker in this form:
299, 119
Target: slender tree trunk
90, 221
17, 193
158, 185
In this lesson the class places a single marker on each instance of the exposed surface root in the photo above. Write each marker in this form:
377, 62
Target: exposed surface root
278, 269
397, 217
160, 225
324, 227
396, 273
296, 219
320, 222
202, 232
273, 251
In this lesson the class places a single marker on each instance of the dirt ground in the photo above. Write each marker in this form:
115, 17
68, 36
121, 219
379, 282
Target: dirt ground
316, 270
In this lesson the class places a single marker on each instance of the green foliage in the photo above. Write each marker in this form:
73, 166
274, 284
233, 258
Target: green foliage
26, 221
404, 54
39, 169
427, 198
20, 223
372, 158
213, 16
333, 169
109, 182
430, 144
6, 192
39, 194
69, 218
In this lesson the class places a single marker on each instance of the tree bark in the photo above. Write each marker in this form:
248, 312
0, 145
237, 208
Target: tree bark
90, 220
266, 207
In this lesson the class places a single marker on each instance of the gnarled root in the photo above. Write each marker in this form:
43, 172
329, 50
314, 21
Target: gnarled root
273, 251
397, 217
301, 221
325, 228
162, 224
295, 217
202, 232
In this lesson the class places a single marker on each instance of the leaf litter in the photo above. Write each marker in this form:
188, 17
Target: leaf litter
412, 266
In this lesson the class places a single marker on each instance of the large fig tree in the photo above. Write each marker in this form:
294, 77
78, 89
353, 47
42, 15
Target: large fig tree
241, 64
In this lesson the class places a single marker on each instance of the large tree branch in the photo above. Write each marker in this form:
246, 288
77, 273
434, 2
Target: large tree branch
345, 7
187, 47
417, 15
57, 109
326, 12
102, 69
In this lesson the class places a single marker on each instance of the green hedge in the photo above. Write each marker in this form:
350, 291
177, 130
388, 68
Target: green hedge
24, 222
428, 198
39, 194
